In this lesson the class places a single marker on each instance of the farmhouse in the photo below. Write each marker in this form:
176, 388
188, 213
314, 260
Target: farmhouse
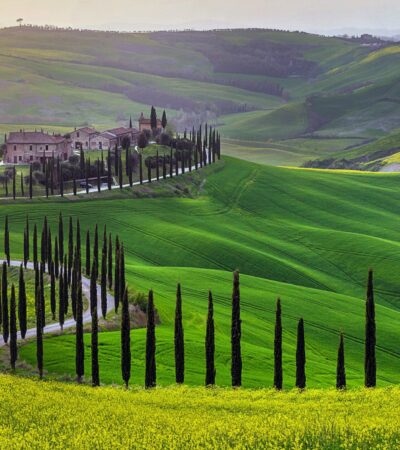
145, 124
81, 138
90, 139
31, 146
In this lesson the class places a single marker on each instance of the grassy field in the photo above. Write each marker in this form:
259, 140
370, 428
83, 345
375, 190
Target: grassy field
194, 417
307, 236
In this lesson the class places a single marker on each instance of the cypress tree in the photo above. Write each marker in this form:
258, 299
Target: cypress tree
61, 306
130, 168
6, 186
150, 377
61, 238
25, 249
104, 280
22, 303
7, 241
140, 168
236, 368
35, 247
116, 275
93, 287
98, 175
39, 334
4, 302
164, 167
56, 258
340, 369
278, 347
120, 175
27, 237
42, 300
65, 287
370, 338
43, 243
13, 329
46, 180
78, 242
300, 357
96, 248
125, 339
74, 282
79, 343
171, 172
94, 340
110, 262
87, 253
210, 343
87, 169
14, 184
157, 167
179, 339
121, 263
53, 291
109, 170
30, 182
74, 183
70, 249
49, 250
22, 185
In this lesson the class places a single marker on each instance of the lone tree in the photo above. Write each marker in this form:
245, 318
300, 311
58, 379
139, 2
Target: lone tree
79, 344
340, 369
150, 377
22, 303
13, 329
300, 357
236, 367
278, 347
179, 339
125, 339
370, 338
210, 343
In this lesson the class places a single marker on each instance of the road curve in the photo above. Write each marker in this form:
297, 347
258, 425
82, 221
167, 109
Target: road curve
55, 327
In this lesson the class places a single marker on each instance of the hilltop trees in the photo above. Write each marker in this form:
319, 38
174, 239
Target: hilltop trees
278, 347
300, 357
210, 343
370, 338
236, 333
179, 339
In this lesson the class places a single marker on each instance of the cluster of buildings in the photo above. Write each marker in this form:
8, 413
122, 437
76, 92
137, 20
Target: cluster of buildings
24, 147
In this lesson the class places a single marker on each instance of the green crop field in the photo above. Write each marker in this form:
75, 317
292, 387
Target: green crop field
304, 235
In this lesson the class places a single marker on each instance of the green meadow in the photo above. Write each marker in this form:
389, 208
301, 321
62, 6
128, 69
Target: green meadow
306, 236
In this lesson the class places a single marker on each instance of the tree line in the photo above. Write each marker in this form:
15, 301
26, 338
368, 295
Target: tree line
64, 267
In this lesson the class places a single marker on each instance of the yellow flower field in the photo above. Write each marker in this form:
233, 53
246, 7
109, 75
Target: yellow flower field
44, 415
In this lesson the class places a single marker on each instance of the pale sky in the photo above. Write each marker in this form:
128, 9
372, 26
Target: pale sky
321, 16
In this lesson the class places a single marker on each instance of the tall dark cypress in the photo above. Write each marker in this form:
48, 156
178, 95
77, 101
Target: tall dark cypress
61, 307
4, 302
61, 238
141, 168
109, 171
43, 243
96, 248
14, 183
340, 369
7, 241
87, 265
120, 174
42, 298
56, 258
278, 371
39, 333
121, 263
27, 237
79, 343
52, 291
210, 344
93, 287
179, 339
104, 279
125, 339
22, 303
116, 275
300, 357
30, 181
94, 342
25, 249
65, 287
78, 243
35, 247
13, 329
110, 262
236, 333
70, 249
74, 282
150, 376
370, 335
49, 250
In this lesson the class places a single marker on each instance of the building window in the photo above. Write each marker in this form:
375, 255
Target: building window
47, 147
100, 145
15, 159
87, 145
15, 147
30, 148
19, 158
77, 134
31, 158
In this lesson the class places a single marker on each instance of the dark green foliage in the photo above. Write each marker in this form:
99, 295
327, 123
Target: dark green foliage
98, 176
164, 120
153, 119
109, 170
210, 344
94, 341
35, 247
300, 357
74, 282
236, 333
110, 262
22, 303
42, 299
150, 376
78, 243
179, 339
125, 339
61, 307
120, 175
70, 249
13, 329
370, 338
121, 277
141, 168
25, 249
30, 182
56, 258
65, 287
79, 344
157, 167
96, 249
87, 266
278, 371
104, 280
53, 291
7, 241
116, 275
61, 238
39, 333
74, 183
4, 302
340, 369
49, 250
43, 243
171, 172
14, 190
93, 287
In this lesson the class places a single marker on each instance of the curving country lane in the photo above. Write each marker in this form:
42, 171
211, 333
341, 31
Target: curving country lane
55, 327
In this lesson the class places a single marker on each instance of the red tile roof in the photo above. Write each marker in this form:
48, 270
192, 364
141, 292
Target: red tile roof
33, 137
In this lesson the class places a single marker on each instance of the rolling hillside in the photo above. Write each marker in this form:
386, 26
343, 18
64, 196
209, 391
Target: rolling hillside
307, 236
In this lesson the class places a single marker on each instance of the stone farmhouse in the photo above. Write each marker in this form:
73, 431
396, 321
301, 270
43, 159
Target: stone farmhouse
145, 124
35, 146
90, 139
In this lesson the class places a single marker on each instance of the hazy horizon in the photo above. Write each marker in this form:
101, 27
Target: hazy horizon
352, 17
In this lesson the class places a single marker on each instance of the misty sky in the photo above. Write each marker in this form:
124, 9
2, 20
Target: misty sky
320, 16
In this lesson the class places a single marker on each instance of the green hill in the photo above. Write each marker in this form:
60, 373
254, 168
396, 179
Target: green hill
307, 236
